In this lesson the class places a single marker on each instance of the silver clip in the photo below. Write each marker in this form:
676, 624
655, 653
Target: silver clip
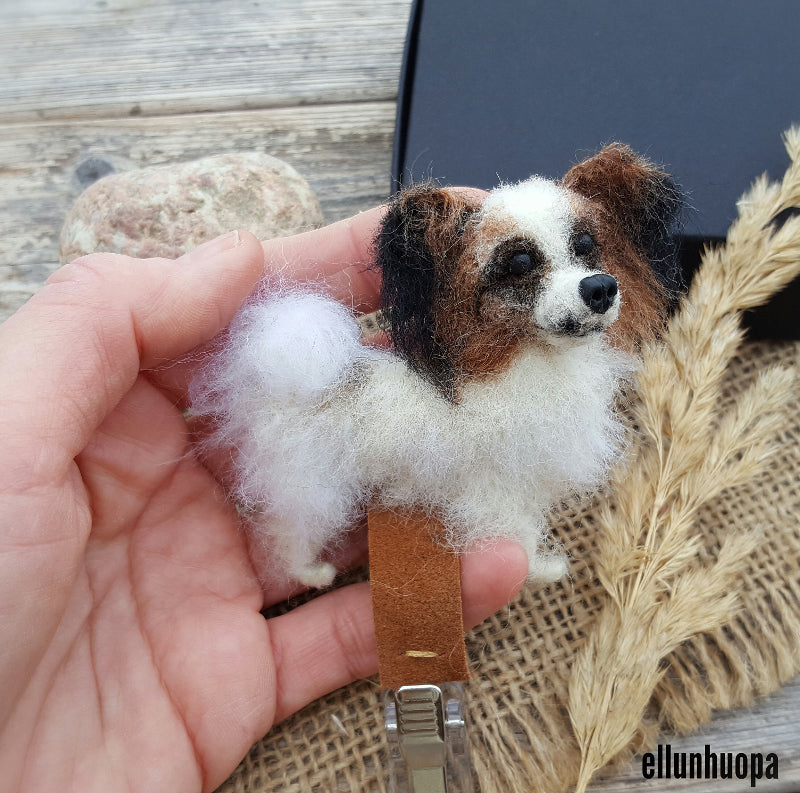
427, 734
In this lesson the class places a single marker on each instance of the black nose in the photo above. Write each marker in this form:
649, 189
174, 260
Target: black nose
598, 292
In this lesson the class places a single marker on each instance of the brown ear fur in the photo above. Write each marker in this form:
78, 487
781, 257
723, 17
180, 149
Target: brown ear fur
639, 207
417, 250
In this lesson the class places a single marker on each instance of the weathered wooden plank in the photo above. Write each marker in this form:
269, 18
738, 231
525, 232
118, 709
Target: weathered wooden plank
142, 57
343, 150
771, 725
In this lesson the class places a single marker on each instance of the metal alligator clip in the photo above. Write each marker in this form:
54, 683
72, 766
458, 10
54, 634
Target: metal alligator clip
427, 735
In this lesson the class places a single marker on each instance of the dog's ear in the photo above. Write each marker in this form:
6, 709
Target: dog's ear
417, 249
641, 199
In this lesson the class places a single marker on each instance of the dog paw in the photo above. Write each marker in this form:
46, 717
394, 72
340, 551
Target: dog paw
546, 568
317, 574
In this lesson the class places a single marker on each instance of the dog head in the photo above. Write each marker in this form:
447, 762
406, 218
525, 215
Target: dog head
467, 284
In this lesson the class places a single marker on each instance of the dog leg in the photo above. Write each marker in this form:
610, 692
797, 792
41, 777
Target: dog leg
544, 564
315, 574
300, 554
545, 568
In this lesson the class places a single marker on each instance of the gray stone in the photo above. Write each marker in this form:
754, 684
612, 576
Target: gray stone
170, 209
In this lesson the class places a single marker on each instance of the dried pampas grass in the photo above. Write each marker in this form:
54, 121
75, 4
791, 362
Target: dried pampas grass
687, 451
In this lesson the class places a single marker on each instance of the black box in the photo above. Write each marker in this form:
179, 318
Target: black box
497, 91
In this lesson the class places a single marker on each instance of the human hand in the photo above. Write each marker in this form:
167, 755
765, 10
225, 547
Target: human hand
133, 656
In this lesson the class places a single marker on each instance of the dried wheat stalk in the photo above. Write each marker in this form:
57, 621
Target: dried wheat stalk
658, 592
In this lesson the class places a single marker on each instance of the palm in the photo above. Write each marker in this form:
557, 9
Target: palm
161, 644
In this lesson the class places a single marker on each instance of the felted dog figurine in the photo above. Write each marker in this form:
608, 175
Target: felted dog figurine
512, 323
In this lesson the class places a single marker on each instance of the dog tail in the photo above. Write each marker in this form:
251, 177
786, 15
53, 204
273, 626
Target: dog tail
286, 351
282, 358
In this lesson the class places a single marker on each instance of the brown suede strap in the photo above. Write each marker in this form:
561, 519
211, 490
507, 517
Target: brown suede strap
416, 601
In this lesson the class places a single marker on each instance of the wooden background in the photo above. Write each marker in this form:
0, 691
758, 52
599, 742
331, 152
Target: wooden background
314, 82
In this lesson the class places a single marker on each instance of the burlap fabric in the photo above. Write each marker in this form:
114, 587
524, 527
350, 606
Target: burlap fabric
520, 658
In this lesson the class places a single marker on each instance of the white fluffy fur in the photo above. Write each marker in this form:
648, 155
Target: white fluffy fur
323, 426
561, 298
544, 211
314, 443
539, 209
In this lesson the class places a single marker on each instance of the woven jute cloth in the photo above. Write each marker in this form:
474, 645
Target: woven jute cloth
521, 736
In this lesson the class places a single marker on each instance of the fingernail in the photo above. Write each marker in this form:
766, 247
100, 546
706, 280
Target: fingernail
216, 246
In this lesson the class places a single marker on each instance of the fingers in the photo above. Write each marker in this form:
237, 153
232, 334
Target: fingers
338, 256
330, 641
69, 355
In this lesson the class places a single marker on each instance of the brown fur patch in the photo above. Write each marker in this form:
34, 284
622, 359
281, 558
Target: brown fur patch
643, 300
469, 342
492, 230
634, 203
482, 339
419, 249
622, 181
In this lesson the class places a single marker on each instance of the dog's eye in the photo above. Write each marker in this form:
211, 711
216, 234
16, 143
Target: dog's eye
584, 245
519, 263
